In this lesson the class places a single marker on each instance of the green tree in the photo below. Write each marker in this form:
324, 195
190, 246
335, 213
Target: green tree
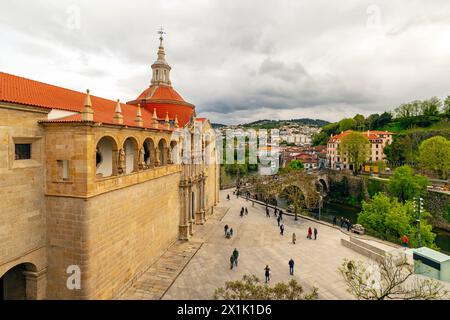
447, 107
354, 147
371, 120
250, 288
347, 124
296, 165
405, 185
389, 219
360, 122
434, 154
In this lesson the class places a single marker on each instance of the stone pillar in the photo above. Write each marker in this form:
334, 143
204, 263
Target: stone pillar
157, 162
200, 214
191, 220
36, 284
184, 229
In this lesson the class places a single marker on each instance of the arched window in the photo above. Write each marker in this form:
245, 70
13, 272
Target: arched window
106, 157
149, 153
130, 147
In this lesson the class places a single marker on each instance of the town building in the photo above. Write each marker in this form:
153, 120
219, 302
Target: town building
95, 188
378, 140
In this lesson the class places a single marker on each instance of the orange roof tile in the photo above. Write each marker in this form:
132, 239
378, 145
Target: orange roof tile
368, 134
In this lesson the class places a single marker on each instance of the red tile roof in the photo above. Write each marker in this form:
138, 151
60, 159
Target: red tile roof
24, 91
368, 134
160, 93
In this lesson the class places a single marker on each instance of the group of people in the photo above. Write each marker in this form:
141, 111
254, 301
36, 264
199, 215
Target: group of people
268, 273
228, 231
243, 211
310, 233
345, 223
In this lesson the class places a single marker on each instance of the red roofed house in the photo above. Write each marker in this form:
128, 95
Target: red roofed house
94, 190
378, 140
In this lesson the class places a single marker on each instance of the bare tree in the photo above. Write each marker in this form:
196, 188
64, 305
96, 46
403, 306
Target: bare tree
391, 278
251, 288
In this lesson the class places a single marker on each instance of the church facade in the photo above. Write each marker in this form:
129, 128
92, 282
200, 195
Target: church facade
97, 188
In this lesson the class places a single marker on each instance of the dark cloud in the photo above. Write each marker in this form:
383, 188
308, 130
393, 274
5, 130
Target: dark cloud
238, 60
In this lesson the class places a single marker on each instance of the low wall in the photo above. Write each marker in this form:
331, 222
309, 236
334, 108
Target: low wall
362, 250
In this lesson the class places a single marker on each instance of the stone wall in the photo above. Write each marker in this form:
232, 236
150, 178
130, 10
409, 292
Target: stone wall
22, 209
113, 237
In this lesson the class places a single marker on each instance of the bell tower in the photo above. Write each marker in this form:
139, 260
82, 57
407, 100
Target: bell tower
161, 69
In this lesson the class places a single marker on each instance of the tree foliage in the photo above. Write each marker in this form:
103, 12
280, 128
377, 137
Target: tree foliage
434, 154
391, 278
296, 165
355, 148
251, 288
405, 185
389, 219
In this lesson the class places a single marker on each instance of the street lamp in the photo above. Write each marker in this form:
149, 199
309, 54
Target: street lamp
418, 205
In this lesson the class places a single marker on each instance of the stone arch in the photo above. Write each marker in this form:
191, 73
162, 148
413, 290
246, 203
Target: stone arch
322, 186
106, 157
13, 283
131, 149
163, 152
148, 153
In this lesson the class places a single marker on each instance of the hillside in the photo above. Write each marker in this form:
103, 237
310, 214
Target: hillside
274, 124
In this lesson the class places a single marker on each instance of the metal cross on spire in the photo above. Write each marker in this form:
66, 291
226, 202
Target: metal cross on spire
161, 32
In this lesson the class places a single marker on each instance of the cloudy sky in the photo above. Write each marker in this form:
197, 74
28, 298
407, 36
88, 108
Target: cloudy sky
238, 60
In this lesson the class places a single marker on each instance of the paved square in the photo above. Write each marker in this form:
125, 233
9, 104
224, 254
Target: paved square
259, 243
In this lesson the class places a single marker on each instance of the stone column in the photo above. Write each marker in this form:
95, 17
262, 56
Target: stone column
200, 214
191, 220
157, 162
184, 216
36, 284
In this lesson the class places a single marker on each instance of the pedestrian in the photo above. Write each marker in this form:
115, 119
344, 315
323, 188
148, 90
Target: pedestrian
228, 197
282, 229
267, 273
231, 262
405, 241
342, 222
267, 212
241, 214
231, 232
309, 236
253, 203
281, 215
246, 211
226, 229
334, 220
294, 238
348, 225
235, 256
291, 267
278, 220
315, 233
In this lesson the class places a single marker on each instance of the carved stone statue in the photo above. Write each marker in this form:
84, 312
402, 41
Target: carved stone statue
121, 167
141, 158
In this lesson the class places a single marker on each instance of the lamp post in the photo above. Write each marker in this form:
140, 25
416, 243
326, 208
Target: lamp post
418, 205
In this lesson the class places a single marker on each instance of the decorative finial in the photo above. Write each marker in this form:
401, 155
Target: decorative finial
87, 113
155, 119
118, 118
138, 120
167, 120
176, 121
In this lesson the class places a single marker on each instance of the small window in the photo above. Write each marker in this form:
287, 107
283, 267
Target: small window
23, 151
63, 169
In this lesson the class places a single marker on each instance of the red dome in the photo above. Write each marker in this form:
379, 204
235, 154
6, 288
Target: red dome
166, 100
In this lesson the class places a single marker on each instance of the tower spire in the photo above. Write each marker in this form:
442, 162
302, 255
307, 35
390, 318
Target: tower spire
161, 69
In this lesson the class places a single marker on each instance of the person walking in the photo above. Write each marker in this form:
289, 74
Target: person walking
278, 220
235, 256
334, 220
228, 197
291, 267
349, 225
294, 238
226, 229
281, 215
267, 212
231, 232
241, 214
267, 273
282, 229
309, 236
405, 241
231, 262
246, 211
315, 233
